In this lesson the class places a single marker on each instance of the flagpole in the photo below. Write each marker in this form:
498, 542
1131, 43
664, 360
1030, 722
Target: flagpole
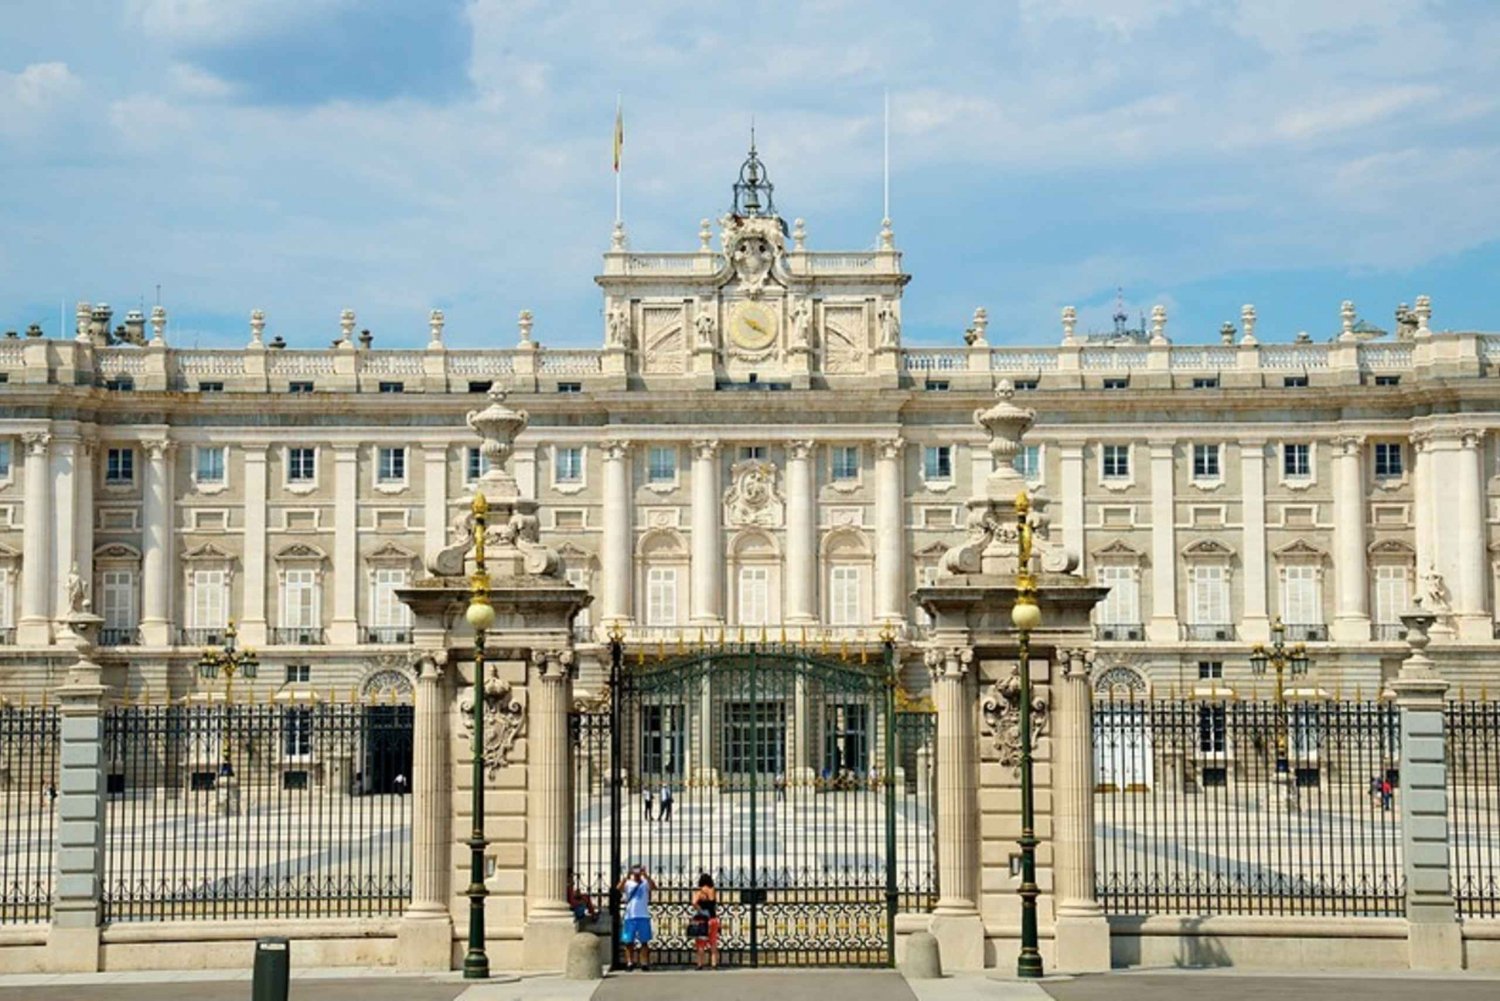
619, 137
886, 160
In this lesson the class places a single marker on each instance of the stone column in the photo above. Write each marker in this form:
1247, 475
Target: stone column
425, 938
1422, 474
801, 535
1072, 503
83, 513
73, 939
345, 622
36, 543
890, 533
1470, 595
64, 521
434, 500
1351, 622
617, 551
1082, 933
1163, 626
156, 545
1255, 623
1434, 937
708, 551
956, 922
253, 623
549, 809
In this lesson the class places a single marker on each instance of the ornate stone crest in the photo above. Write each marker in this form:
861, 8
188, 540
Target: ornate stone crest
753, 245
1001, 710
504, 719
752, 499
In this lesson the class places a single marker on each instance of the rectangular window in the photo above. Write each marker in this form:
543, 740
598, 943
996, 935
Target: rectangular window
937, 385
1294, 381
296, 732
1028, 462
210, 599
5, 460
117, 599
843, 596
299, 599
661, 596
1212, 729
1210, 670
1296, 460
843, 462
210, 466
937, 463
846, 738
387, 610
119, 465
298, 674
661, 464
1206, 382
754, 737
570, 387
1117, 383
1122, 606
393, 387
1116, 462
298, 386
1388, 460
1392, 594
1025, 384
1387, 380
569, 466
755, 596
1206, 462
210, 387
390, 464
480, 387
301, 465
1302, 602
1210, 595
476, 465
663, 737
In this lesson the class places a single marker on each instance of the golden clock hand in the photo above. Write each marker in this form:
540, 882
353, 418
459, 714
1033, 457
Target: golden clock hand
750, 322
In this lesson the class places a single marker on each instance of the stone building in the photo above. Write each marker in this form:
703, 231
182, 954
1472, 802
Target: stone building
752, 448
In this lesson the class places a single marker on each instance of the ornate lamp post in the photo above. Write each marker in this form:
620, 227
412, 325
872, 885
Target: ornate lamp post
231, 662
481, 616
1026, 616
1283, 658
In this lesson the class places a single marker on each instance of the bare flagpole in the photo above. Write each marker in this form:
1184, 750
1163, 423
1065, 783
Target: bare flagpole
886, 177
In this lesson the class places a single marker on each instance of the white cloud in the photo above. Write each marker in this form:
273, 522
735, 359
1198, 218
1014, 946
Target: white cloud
214, 22
38, 85
195, 82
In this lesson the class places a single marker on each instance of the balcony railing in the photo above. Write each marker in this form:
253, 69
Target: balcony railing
583, 632
1389, 631
1307, 632
1118, 632
388, 634
8, 636
1213, 632
298, 636
201, 636
119, 636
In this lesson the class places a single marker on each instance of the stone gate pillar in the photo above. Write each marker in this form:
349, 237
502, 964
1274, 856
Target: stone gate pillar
549, 808
1082, 933
425, 938
956, 922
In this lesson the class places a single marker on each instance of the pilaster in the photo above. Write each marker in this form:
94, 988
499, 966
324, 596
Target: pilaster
64, 477
33, 628
83, 507
344, 628
253, 623
156, 544
1163, 625
956, 923
425, 937
1471, 609
707, 605
801, 534
434, 501
1082, 933
549, 810
617, 549
1072, 501
1351, 622
890, 532
1255, 623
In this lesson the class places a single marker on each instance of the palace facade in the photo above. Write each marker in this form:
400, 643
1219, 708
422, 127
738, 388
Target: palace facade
752, 450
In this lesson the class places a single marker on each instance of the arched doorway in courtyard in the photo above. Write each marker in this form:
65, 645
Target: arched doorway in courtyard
801, 781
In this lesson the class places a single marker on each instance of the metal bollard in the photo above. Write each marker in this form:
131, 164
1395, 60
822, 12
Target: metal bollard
273, 970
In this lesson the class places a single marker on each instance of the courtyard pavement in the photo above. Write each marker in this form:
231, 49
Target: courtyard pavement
755, 985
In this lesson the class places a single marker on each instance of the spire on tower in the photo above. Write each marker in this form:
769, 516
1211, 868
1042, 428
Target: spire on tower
753, 190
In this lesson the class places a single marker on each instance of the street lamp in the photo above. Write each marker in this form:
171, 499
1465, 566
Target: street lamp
1026, 616
1284, 659
481, 616
231, 661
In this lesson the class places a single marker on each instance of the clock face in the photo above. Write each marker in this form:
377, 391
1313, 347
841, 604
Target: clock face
753, 326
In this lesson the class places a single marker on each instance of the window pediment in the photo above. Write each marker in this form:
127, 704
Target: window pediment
846, 544
301, 552
1393, 550
391, 555
1118, 551
662, 544
208, 554
1300, 551
9, 555
1207, 549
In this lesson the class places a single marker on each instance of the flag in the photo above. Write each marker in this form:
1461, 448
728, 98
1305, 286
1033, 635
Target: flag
619, 135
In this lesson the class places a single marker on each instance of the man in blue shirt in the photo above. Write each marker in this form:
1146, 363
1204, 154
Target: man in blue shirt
635, 932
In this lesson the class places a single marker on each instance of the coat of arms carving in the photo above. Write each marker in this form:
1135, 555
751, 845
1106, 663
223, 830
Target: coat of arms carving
752, 498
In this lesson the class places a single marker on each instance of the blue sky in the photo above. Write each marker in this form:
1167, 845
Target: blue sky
302, 156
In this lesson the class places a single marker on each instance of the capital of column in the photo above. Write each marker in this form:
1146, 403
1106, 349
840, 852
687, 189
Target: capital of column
614, 449
1471, 438
800, 450
157, 449
1162, 448
705, 448
1348, 445
36, 442
889, 448
257, 451
1077, 664
429, 664
345, 451
948, 662
553, 665
1421, 441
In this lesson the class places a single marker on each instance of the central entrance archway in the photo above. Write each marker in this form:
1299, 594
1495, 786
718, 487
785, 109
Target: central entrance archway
790, 777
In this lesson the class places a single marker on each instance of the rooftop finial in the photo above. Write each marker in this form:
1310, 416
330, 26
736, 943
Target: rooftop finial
752, 192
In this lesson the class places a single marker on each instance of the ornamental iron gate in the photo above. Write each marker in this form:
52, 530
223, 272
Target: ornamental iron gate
789, 777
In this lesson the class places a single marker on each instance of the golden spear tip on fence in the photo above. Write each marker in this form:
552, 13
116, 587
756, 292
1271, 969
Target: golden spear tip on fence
763, 634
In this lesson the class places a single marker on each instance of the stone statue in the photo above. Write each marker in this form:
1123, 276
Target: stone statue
705, 325
890, 327
1434, 595
802, 325
77, 590
619, 328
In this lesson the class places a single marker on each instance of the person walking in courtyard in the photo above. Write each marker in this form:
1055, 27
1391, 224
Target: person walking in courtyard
781, 787
646, 802
635, 932
1387, 793
1375, 791
665, 812
703, 928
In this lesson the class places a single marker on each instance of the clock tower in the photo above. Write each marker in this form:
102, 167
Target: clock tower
758, 308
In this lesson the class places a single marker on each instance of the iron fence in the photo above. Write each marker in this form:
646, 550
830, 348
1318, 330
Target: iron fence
245, 811
1227, 807
1473, 743
28, 794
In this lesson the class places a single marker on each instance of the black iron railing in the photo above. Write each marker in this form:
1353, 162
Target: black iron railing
1212, 807
1306, 632
1208, 632
1473, 740
8, 636
388, 634
255, 811
28, 762
298, 636
1119, 632
201, 636
119, 636
1388, 632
